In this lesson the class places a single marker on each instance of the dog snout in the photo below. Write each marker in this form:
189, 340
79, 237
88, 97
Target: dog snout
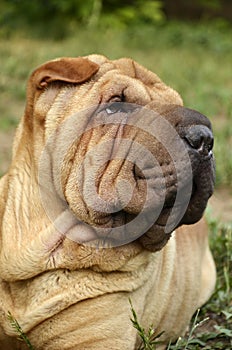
200, 138
193, 127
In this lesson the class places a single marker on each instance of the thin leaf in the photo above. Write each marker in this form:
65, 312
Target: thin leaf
14, 323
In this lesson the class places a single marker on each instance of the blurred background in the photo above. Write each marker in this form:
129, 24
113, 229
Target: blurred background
187, 43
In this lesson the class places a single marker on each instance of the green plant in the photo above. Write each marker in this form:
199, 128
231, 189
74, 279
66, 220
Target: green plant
63, 16
15, 325
148, 339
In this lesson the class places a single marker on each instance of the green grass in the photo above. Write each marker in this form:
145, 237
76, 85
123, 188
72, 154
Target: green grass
21, 335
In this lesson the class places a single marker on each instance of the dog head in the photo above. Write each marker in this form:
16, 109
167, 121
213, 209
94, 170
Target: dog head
110, 142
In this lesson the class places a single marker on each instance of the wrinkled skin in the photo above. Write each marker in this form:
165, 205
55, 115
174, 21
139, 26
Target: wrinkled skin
98, 127
103, 143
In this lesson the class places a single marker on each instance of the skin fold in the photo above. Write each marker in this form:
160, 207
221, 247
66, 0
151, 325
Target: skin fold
103, 202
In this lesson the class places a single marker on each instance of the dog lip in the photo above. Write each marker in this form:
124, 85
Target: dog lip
202, 154
171, 213
206, 156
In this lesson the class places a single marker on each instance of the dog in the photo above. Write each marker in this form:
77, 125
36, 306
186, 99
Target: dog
102, 204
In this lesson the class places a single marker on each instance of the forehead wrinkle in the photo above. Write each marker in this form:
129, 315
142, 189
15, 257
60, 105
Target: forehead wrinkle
59, 108
164, 94
86, 96
115, 82
126, 66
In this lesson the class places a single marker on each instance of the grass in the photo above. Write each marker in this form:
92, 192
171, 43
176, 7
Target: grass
21, 335
148, 339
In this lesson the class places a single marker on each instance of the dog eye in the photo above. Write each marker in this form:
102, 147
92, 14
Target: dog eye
115, 107
120, 107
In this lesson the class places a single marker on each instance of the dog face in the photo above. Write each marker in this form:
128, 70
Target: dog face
113, 144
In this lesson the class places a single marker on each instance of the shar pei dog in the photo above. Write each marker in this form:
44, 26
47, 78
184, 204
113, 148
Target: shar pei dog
102, 204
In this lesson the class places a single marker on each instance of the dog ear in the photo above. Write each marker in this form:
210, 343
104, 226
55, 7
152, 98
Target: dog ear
67, 69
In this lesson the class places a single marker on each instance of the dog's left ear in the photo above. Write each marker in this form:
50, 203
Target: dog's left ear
67, 69
70, 70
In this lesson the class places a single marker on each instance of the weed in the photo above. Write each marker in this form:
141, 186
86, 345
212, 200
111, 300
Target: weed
148, 339
15, 325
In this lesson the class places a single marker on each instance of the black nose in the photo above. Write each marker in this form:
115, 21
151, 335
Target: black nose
200, 138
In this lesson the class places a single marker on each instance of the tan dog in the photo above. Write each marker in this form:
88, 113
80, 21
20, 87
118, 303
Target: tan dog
106, 164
